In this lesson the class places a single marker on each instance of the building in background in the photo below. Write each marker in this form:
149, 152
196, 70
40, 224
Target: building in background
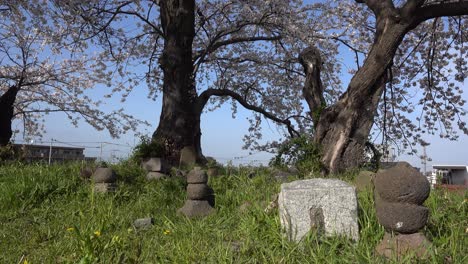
34, 153
449, 175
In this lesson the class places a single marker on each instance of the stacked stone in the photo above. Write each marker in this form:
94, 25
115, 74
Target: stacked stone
104, 180
156, 168
400, 192
200, 197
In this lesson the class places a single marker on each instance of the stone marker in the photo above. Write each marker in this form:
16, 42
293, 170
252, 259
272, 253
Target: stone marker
104, 180
155, 164
328, 206
143, 223
200, 197
188, 156
400, 192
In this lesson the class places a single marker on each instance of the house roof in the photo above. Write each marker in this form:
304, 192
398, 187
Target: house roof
45, 146
451, 167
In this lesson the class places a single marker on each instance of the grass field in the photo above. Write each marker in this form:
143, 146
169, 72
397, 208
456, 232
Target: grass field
49, 215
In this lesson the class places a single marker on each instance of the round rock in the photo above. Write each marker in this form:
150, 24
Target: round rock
400, 217
104, 175
197, 175
198, 191
402, 183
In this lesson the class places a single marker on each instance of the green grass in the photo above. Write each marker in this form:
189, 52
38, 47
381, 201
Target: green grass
49, 215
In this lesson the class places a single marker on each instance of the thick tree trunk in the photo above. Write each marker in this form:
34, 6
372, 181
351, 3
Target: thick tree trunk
7, 101
343, 128
179, 123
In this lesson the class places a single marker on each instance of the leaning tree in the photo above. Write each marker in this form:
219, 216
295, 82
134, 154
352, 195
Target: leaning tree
40, 75
413, 57
205, 53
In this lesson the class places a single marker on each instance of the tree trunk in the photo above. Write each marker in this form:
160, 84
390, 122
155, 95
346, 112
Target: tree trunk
7, 101
179, 123
343, 129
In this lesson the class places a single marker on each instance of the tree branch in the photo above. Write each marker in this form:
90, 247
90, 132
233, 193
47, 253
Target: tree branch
205, 96
427, 12
377, 5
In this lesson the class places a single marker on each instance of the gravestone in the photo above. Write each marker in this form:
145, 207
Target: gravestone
188, 156
328, 206
400, 192
156, 168
104, 180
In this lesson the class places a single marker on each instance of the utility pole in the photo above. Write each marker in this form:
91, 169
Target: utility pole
50, 150
424, 159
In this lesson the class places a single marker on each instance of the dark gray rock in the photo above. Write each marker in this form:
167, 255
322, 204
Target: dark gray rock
402, 183
154, 175
196, 208
155, 164
143, 223
197, 175
402, 244
401, 217
104, 175
197, 191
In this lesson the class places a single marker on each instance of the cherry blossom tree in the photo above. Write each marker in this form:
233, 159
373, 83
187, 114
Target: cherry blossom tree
408, 49
39, 74
201, 54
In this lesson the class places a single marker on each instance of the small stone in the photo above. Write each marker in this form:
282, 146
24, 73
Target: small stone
197, 175
197, 191
188, 156
402, 183
105, 187
401, 217
364, 181
104, 175
196, 208
402, 244
143, 223
155, 164
154, 175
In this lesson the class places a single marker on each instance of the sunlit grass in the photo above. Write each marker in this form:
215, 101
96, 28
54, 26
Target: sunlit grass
50, 215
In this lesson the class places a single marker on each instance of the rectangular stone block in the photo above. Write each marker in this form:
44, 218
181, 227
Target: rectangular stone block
327, 205
155, 164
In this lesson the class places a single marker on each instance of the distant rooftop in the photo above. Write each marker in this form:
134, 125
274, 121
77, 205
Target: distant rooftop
453, 167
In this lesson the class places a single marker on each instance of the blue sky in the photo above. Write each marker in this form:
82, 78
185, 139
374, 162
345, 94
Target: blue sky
221, 135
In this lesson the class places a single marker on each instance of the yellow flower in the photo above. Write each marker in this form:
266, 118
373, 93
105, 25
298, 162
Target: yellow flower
167, 232
25, 261
115, 239
70, 229
97, 233
130, 230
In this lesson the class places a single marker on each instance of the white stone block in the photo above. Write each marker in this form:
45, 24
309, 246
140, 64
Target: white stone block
326, 204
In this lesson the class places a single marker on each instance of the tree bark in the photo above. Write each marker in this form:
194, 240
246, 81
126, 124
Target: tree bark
179, 123
343, 128
7, 101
